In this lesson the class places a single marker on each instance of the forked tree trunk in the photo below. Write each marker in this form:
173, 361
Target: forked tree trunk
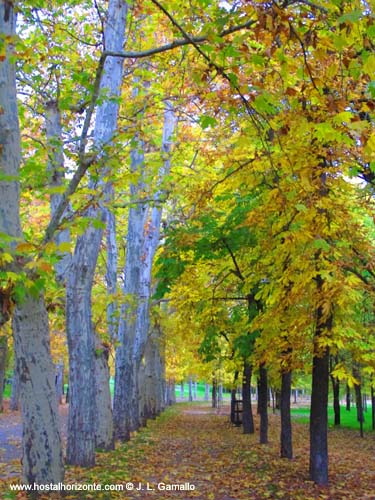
286, 447
142, 241
41, 444
82, 412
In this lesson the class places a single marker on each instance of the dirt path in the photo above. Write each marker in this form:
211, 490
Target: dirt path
10, 439
196, 447
195, 451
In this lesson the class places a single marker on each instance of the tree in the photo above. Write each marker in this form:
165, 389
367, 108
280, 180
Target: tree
42, 453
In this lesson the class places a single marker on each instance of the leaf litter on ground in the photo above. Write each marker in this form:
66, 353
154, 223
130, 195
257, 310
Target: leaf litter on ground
196, 445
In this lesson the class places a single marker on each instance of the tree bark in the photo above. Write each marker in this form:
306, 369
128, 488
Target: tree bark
336, 400
104, 438
59, 381
247, 411
190, 389
55, 169
347, 397
319, 398
142, 241
41, 443
263, 404
233, 398
15, 394
358, 400
81, 342
286, 446
42, 453
214, 392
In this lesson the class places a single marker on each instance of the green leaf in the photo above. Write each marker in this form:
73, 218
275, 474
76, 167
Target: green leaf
207, 121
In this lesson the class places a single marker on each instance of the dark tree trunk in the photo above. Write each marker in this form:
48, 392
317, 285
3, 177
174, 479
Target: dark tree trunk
247, 411
319, 420
263, 405
358, 400
233, 397
335, 390
286, 447
347, 397
278, 399
336, 400
214, 393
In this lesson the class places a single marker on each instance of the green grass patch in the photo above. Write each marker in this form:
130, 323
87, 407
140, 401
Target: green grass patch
348, 418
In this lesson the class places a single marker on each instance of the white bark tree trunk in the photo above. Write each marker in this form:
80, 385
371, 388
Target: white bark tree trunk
42, 454
83, 417
142, 241
56, 179
104, 438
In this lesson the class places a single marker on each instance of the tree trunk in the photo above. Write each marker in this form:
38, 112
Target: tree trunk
286, 447
142, 241
15, 394
42, 454
247, 411
263, 405
153, 373
3, 362
336, 399
55, 169
214, 392
81, 342
104, 438
233, 398
59, 381
41, 444
190, 389
347, 397
358, 400
335, 390
111, 268
319, 420
206, 392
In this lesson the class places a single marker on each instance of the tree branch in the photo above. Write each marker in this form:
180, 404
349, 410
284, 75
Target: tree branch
189, 40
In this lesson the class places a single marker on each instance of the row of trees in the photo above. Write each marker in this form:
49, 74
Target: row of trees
245, 122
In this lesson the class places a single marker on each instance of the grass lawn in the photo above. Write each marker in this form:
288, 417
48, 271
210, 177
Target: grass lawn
348, 418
